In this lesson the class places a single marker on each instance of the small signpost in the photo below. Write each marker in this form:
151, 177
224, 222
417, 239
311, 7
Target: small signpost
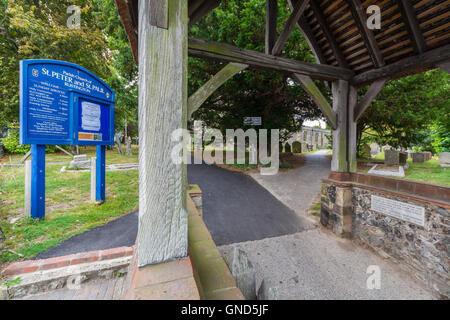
63, 104
252, 121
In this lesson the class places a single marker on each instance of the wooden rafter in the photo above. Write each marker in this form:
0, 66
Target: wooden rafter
201, 95
297, 11
271, 24
412, 25
360, 18
315, 7
310, 87
370, 95
258, 60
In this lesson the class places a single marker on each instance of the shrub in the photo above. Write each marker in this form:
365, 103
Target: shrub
11, 143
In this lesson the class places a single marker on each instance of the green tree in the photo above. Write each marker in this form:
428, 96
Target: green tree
279, 101
405, 109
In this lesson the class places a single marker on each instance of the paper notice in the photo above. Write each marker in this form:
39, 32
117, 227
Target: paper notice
90, 116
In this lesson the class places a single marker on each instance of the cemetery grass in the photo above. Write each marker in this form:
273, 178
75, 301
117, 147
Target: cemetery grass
428, 171
68, 207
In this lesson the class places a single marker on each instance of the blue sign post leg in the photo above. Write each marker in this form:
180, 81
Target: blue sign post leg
100, 183
37, 181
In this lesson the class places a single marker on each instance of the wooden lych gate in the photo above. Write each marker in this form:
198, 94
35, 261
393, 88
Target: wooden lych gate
414, 37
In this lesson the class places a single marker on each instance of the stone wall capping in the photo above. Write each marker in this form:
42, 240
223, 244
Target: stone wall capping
421, 191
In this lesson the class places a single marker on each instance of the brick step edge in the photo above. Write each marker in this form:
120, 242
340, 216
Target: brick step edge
70, 276
29, 266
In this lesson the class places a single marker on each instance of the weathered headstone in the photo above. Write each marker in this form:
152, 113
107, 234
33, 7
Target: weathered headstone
428, 155
365, 148
287, 148
2, 152
296, 147
394, 157
444, 159
128, 148
80, 162
419, 157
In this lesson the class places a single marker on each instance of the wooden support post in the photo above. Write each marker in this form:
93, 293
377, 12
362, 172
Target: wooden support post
344, 136
310, 87
162, 234
196, 100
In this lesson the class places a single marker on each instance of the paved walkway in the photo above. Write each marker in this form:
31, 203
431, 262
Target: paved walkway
298, 187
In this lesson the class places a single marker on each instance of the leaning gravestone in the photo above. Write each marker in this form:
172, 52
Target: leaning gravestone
80, 162
296, 147
444, 159
128, 149
395, 158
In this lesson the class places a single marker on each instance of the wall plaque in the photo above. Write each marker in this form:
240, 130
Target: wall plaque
400, 210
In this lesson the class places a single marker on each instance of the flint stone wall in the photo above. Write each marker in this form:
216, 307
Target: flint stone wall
423, 251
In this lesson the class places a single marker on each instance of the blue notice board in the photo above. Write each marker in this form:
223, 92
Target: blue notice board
63, 103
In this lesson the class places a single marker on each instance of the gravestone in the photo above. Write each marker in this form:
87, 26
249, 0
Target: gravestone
365, 148
2, 152
428, 155
128, 148
296, 147
444, 159
395, 158
287, 148
419, 157
80, 162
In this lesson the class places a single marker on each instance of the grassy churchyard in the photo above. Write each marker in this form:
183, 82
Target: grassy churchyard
69, 210
428, 171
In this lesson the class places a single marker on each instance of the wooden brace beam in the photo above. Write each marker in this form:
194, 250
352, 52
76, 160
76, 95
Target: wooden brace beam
159, 13
370, 95
308, 84
258, 60
298, 10
200, 96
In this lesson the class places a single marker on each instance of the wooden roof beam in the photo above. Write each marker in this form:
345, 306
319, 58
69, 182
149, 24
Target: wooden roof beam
415, 64
271, 24
315, 7
412, 25
298, 10
360, 18
258, 60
